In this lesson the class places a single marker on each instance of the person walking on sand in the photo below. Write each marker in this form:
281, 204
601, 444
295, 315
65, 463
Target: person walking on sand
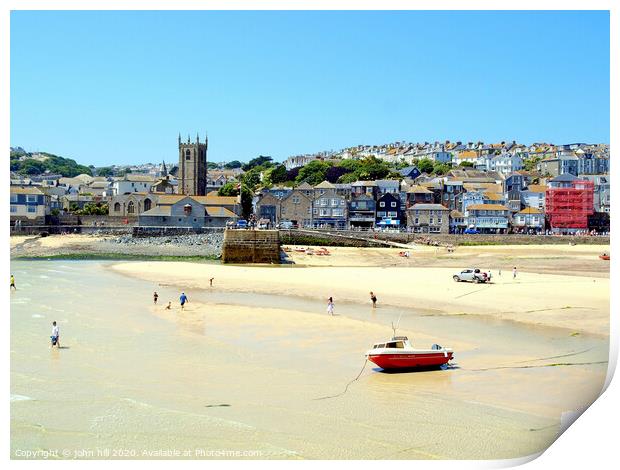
514, 272
155, 297
183, 299
169, 306
211, 281
373, 297
330, 306
13, 282
490, 275
55, 335
499, 272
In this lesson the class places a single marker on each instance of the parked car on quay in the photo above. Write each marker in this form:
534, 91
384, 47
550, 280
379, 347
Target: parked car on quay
286, 225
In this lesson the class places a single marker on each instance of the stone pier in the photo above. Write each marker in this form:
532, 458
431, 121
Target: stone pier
251, 246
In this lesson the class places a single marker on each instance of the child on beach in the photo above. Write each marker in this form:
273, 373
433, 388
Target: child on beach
155, 297
169, 306
55, 335
183, 299
13, 282
514, 272
330, 306
373, 297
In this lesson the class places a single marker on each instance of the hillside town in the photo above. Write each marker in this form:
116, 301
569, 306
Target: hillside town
448, 187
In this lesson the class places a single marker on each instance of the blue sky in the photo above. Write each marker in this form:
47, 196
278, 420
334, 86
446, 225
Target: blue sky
118, 87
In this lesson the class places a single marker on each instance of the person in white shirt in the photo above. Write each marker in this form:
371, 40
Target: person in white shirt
330, 306
55, 335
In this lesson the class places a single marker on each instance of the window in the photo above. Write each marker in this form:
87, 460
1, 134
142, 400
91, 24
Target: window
393, 204
309, 210
381, 214
188, 155
131, 208
31, 198
323, 201
32, 209
315, 211
392, 214
439, 220
382, 204
342, 202
295, 199
334, 202
147, 204
13, 208
416, 221
117, 207
337, 213
324, 213
431, 220
13, 197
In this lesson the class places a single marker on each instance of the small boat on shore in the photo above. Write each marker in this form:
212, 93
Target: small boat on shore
398, 353
604, 256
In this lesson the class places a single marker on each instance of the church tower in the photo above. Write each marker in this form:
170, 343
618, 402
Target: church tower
192, 173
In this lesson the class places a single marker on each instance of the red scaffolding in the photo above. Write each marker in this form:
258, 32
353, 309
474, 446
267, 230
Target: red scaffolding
568, 207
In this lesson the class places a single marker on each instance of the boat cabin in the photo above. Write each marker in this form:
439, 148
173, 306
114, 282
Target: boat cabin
397, 342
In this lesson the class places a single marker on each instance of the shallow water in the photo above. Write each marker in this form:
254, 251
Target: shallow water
240, 377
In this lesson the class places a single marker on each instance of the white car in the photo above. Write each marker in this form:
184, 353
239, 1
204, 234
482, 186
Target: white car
471, 275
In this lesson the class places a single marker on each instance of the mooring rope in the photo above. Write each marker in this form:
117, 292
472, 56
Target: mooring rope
347, 386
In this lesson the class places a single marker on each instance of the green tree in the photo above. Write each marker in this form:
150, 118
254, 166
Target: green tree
278, 174
313, 173
232, 165
372, 169
529, 164
425, 165
348, 178
231, 189
105, 171
251, 178
466, 164
441, 168
31, 167
261, 160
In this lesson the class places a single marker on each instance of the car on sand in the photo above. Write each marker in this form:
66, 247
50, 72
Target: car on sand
471, 275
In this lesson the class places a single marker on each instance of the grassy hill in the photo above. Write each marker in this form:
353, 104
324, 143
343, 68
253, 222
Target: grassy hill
26, 163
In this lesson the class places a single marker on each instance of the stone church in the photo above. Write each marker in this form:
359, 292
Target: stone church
192, 173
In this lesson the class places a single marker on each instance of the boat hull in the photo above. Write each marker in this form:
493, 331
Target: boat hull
411, 360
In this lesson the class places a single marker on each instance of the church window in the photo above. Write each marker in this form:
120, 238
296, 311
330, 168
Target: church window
130, 207
147, 204
117, 207
188, 154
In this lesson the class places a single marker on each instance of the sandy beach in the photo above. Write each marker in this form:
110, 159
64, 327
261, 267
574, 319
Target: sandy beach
240, 370
576, 302
255, 364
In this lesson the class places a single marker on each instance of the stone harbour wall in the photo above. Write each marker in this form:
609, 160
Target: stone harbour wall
251, 246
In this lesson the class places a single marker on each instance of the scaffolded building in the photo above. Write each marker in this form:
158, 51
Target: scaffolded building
568, 205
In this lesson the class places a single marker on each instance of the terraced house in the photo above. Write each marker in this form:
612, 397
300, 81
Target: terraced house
329, 209
29, 205
488, 218
428, 218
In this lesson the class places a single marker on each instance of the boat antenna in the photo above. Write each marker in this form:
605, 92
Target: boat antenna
394, 328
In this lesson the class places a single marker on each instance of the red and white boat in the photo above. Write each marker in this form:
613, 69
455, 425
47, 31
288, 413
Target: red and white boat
398, 353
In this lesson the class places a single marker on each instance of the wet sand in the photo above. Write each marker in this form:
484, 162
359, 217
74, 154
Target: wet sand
245, 371
577, 303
